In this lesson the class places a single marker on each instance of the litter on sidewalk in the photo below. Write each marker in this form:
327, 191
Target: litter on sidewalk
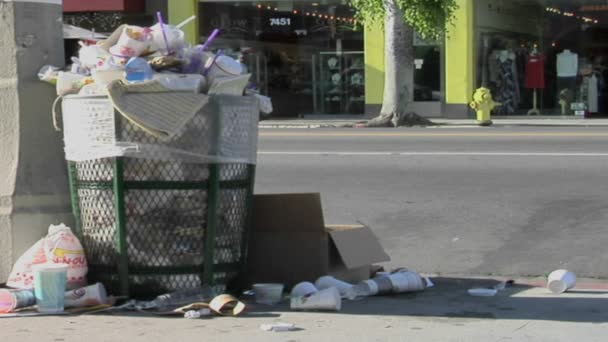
278, 327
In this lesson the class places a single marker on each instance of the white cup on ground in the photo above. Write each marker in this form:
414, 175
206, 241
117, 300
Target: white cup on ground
269, 294
328, 299
406, 282
86, 296
326, 282
303, 289
560, 281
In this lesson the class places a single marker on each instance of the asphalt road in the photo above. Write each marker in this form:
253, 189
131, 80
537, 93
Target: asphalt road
470, 201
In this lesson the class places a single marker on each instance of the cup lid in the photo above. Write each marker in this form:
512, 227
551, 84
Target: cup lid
50, 267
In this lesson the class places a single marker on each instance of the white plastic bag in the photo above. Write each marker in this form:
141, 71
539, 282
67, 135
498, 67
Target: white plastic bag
265, 104
60, 246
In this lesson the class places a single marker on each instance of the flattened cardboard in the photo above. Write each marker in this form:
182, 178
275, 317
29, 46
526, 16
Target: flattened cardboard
357, 245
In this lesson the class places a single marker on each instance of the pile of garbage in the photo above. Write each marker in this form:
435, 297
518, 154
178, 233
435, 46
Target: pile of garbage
327, 292
134, 54
50, 279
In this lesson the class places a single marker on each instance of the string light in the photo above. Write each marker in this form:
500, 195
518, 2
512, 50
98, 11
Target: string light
308, 14
585, 19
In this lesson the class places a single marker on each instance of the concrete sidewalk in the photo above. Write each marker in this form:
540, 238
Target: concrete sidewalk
443, 313
450, 123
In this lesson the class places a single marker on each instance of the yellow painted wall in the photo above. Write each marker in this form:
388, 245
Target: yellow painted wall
374, 65
180, 10
460, 55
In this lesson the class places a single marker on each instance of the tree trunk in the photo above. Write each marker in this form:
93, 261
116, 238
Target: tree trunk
399, 71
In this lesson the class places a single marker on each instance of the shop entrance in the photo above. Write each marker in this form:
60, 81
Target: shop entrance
306, 55
544, 57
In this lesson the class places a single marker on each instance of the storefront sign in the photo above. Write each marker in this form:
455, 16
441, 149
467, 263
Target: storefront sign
279, 21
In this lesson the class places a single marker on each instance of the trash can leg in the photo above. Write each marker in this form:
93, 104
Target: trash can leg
213, 194
121, 227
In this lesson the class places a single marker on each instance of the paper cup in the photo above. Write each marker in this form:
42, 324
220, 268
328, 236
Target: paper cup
406, 282
86, 296
50, 283
561, 281
303, 289
328, 299
127, 46
326, 282
268, 294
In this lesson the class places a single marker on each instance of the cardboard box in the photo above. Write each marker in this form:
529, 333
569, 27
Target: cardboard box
290, 243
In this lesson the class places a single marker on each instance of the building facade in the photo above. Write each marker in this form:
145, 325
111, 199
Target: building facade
538, 57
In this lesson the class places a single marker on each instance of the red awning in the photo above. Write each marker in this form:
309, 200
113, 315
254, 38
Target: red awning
103, 5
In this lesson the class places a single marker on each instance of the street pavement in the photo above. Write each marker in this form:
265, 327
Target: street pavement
510, 201
470, 201
443, 313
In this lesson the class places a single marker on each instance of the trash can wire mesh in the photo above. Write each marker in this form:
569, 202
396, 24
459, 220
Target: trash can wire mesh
152, 226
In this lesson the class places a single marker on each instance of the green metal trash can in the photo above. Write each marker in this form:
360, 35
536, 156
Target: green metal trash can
157, 216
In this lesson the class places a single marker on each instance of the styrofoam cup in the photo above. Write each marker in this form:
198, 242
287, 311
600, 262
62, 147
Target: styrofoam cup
560, 281
406, 282
326, 282
86, 296
303, 289
269, 294
50, 283
222, 66
328, 299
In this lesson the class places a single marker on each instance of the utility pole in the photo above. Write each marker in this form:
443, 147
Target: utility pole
33, 177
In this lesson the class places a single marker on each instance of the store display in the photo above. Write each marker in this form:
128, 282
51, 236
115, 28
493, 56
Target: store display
341, 82
508, 87
567, 64
535, 77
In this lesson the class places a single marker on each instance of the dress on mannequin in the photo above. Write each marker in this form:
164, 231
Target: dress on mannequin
507, 85
535, 71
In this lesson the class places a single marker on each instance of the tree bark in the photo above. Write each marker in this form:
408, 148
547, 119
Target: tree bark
399, 70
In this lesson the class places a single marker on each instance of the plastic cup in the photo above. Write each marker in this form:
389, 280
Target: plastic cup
222, 66
86, 296
561, 281
49, 287
328, 299
175, 38
326, 282
303, 289
268, 294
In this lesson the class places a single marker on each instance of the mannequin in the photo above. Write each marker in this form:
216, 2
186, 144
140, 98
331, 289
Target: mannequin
508, 92
535, 77
567, 70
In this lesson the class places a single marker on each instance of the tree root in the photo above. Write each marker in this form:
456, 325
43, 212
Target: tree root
410, 119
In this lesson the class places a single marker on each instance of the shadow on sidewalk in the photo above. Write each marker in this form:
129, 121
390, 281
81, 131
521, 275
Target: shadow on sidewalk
449, 299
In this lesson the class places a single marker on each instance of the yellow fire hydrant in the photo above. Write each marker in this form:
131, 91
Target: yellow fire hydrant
483, 104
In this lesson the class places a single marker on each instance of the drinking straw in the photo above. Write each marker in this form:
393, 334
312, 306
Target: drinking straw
213, 35
185, 22
162, 29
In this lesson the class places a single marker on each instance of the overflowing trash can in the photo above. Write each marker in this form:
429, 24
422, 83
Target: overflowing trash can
160, 206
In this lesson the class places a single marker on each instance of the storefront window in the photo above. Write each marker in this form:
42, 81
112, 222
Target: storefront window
307, 56
427, 72
545, 57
